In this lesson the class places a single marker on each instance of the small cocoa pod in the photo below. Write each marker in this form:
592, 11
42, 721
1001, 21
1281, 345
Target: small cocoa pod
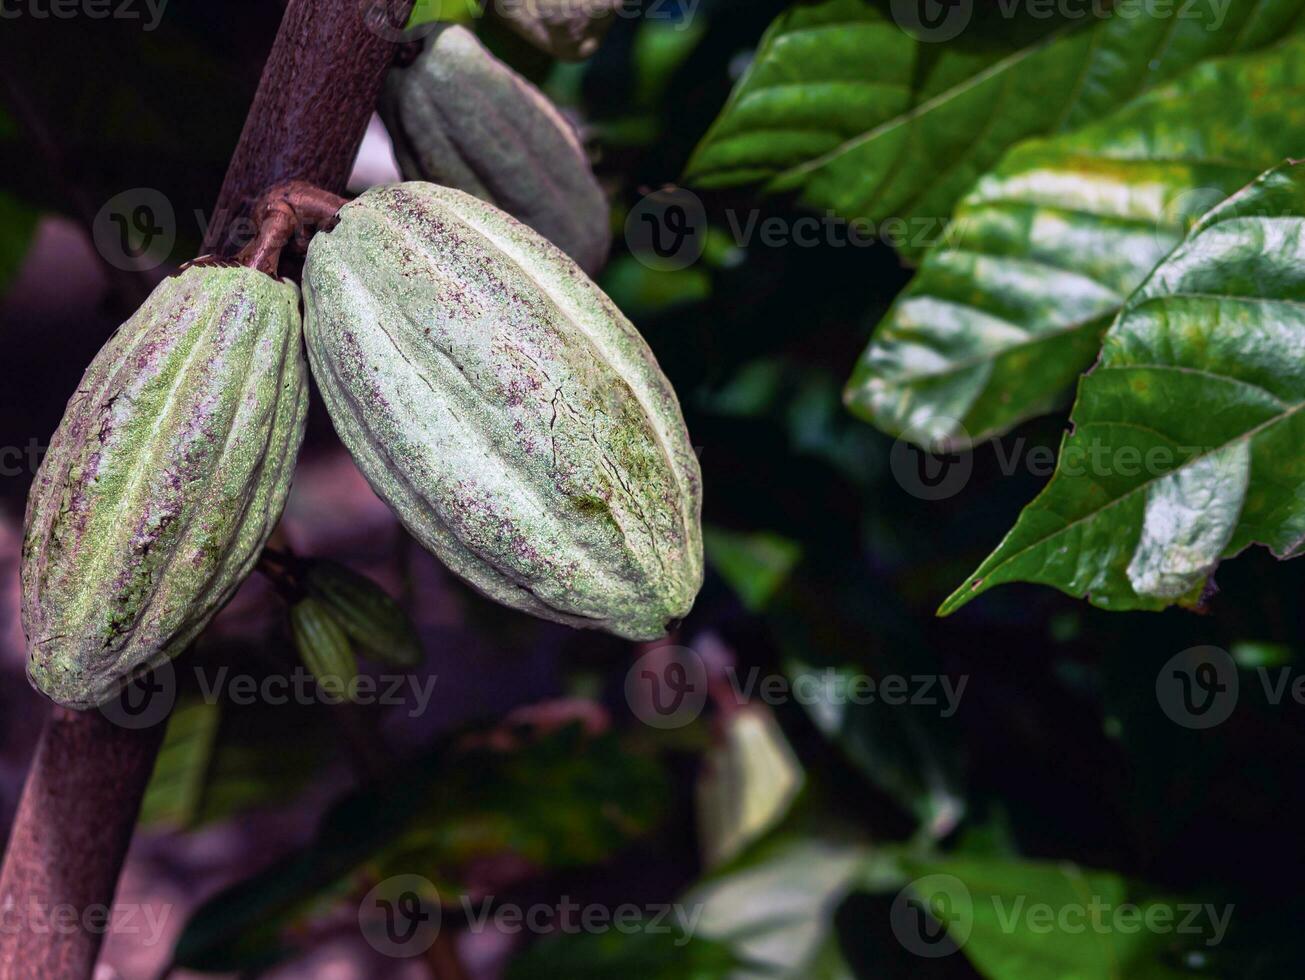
372, 619
501, 404
459, 116
567, 29
163, 481
322, 642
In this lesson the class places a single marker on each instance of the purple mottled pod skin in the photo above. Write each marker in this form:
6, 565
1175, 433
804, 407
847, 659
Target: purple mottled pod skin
169, 470
501, 404
460, 117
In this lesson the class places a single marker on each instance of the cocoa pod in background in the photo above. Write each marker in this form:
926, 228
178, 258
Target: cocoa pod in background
368, 614
169, 470
458, 116
567, 29
505, 409
322, 642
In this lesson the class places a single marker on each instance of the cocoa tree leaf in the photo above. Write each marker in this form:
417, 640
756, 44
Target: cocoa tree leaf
1186, 445
845, 107
1041, 254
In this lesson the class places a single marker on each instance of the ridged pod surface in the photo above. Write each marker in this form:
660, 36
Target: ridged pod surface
501, 404
169, 470
458, 116
566, 29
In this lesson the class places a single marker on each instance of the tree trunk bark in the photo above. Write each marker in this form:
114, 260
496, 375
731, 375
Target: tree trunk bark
83, 792
70, 835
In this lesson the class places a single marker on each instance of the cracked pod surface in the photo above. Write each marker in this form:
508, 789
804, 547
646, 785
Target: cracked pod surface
460, 117
505, 409
167, 473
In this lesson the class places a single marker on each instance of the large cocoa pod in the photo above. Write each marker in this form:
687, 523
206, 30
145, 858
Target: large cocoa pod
500, 403
566, 29
167, 473
459, 116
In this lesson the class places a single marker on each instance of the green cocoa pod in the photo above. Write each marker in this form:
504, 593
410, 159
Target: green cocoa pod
500, 403
459, 116
322, 642
567, 29
372, 619
163, 481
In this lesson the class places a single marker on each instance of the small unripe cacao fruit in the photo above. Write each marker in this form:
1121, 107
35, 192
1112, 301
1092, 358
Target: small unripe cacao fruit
169, 470
372, 619
567, 29
322, 642
458, 116
506, 410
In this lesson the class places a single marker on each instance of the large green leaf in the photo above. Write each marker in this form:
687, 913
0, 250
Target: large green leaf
843, 105
1188, 437
1043, 252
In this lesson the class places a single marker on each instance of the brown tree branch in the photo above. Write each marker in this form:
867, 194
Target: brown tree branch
70, 835
328, 62
83, 792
